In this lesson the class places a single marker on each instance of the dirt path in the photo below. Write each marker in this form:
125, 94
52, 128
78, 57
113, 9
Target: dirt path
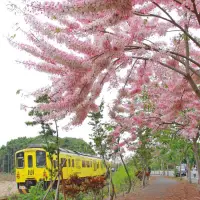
7, 188
162, 188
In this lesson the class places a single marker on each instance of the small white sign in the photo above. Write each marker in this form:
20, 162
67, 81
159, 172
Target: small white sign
22, 187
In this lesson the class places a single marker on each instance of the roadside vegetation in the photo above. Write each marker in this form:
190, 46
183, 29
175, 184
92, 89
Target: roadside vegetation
164, 151
120, 178
7, 176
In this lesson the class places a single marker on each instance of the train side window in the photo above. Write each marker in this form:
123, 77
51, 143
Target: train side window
90, 163
97, 165
69, 163
78, 163
63, 161
83, 163
72, 162
20, 160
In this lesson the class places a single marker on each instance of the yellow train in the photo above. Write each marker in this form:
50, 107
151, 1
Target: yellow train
33, 164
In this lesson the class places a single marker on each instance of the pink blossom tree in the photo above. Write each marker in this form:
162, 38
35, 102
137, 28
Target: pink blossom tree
131, 44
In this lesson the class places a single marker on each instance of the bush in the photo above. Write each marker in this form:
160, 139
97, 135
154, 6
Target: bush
76, 187
36, 192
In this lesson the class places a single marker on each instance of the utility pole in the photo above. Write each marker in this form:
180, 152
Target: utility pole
8, 163
3, 165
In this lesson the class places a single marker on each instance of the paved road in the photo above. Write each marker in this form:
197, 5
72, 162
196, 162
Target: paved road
162, 188
161, 183
156, 190
171, 173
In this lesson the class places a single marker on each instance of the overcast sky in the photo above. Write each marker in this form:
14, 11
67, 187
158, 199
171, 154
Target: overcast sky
13, 77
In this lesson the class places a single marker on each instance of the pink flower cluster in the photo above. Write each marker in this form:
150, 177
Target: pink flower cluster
141, 48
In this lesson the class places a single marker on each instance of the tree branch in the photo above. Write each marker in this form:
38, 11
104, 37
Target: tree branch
147, 47
171, 21
163, 64
195, 11
130, 73
176, 24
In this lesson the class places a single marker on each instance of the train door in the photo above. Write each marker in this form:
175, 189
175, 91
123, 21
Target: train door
95, 165
77, 167
65, 170
20, 170
30, 164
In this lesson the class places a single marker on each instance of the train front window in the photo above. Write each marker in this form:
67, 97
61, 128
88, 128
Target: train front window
20, 160
40, 158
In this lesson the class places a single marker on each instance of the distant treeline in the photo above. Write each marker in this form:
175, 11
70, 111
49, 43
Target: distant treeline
7, 152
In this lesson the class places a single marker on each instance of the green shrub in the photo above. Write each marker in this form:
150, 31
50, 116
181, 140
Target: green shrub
36, 192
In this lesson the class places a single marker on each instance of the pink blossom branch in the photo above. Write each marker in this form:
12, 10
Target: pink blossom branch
148, 47
180, 3
151, 15
130, 73
163, 64
176, 24
171, 21
190, 68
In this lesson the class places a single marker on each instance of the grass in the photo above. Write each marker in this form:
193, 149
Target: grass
120, 178
7, 177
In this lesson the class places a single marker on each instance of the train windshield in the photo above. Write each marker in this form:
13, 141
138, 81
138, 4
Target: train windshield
20, 160
40, 158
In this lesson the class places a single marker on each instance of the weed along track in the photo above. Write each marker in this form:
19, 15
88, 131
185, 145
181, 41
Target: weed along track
7, 188
4, 198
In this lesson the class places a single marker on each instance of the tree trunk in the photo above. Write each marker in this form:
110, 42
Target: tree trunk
113, 190
188, 171
57, 189
160, 167
167, 170
58, 157
144, 178
196, 155
163, 169
3, 165
174, 169
129, 178
111, 181
180, 170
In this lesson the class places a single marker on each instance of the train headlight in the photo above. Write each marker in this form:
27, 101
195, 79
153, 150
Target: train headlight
44, 174
18, 175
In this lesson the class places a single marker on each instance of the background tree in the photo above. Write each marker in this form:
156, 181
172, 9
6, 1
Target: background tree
143, 153
51, 143
174, 149
101, 139
100, 134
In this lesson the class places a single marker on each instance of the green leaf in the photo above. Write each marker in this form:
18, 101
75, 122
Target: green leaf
13, 36
18, 91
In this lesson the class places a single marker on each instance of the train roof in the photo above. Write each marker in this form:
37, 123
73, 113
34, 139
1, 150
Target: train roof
64, 151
